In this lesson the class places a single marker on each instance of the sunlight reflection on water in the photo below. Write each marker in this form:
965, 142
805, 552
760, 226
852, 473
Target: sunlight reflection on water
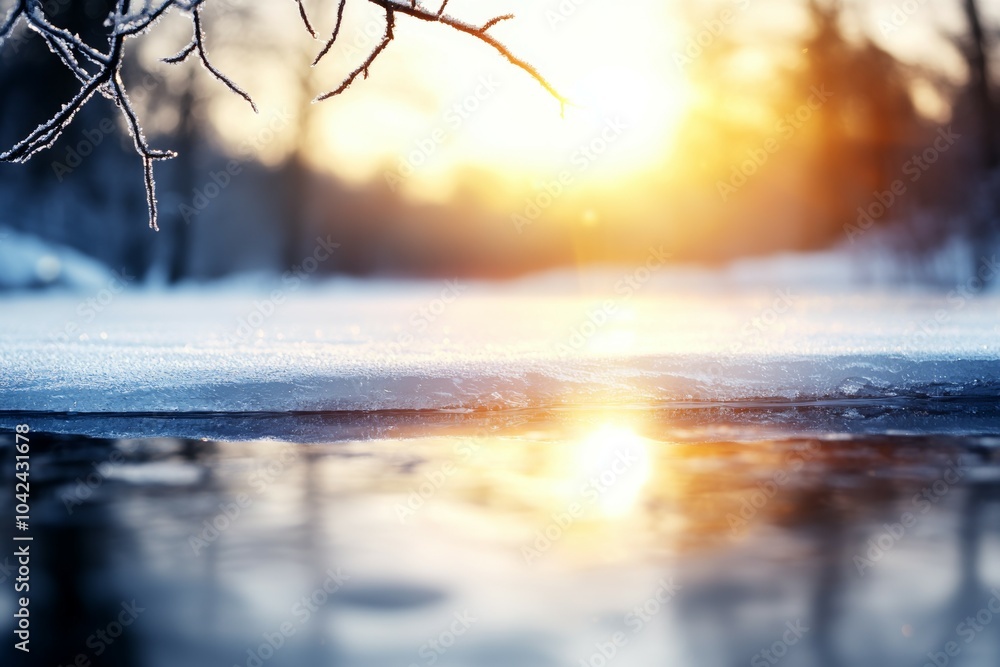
553, 533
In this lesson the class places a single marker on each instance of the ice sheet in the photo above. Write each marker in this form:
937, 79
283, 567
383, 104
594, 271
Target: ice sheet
377, 346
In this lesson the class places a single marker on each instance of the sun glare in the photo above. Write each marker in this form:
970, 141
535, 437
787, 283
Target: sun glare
616, 464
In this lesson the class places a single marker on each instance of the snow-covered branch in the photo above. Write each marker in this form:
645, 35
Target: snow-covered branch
99, 71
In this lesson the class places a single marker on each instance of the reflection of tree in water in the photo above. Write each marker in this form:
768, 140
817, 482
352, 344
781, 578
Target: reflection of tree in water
971, 593
796, 558
75, 592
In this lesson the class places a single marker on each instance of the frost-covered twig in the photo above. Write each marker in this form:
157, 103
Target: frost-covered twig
305, 19
336, 32
390, 24
11, 20
100, 71
415, 10
197, 45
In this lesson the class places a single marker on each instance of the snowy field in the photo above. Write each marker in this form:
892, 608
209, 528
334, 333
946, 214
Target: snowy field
604, 337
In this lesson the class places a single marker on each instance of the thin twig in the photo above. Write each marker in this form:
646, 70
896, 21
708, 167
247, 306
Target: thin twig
479, 32
147, 154
199, 38
182, 55
336, 32
305, 19
390, 23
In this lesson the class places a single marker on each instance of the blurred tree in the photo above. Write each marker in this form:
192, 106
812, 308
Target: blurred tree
867, 126
981, 215
850, 146
188, 137
981, 84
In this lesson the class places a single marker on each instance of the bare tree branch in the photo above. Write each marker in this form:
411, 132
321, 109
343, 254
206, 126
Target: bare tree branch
182, 55
305, 19
142, 148
492, 22
100, 72
479, 32
390, 23
336, 32
199, 40
10, 21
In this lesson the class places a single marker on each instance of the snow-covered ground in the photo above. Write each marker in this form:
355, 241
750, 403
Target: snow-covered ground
621, 336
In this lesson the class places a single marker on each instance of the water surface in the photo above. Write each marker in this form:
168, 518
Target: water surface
531, 539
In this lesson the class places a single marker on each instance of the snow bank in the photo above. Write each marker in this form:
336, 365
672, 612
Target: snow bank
27, 261
355, 346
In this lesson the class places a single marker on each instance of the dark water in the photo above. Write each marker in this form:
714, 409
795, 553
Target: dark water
592, 537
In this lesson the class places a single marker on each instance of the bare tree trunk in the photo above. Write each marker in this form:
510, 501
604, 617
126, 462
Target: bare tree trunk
294, 222
297, 177
979, 80
187, 138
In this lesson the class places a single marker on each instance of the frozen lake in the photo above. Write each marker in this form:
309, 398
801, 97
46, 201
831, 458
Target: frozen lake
363, 346
533, 540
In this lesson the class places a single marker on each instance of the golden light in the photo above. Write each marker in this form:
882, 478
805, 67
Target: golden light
611, 61
617, 336
614, 464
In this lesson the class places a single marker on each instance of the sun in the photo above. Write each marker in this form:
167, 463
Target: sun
617, 463
647, 104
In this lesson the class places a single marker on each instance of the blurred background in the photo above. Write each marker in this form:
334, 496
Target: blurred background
717, 130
